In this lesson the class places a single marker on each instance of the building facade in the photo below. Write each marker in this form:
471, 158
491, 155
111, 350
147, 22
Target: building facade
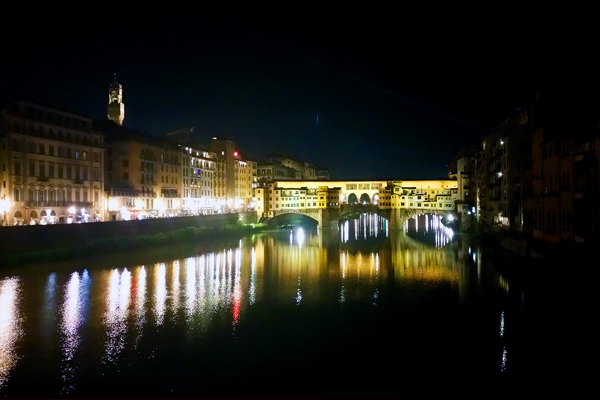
52, 163
236, 179
144, 176
199, 170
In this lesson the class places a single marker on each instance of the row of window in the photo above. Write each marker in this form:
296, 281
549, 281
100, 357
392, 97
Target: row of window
49, 150
363, 186
197, 193
58, 135
57, 170
50, 195
54, 118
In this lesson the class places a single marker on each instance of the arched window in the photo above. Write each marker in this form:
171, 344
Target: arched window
352, 199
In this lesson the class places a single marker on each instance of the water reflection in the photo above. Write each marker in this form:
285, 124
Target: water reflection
10, 326
174, 306
75, 304
138, 295
115, 318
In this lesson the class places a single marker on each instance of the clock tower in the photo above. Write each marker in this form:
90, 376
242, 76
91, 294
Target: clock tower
115, 108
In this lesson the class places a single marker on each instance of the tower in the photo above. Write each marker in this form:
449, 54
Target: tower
115, 108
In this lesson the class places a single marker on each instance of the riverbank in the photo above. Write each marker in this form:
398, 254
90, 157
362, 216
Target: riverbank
131, 242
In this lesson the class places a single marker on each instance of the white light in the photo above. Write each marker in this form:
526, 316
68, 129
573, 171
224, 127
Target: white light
4, 205
71, 210
450, 217
112, 205
300, 237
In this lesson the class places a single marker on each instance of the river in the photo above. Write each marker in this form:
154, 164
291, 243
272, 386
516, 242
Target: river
359, 311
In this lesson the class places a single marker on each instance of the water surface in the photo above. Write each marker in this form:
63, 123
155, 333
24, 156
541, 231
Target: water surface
359, 311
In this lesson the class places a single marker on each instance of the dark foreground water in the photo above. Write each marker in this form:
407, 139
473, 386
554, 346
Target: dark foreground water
357, 312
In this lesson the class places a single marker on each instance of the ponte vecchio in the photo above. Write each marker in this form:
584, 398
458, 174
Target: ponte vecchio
326, 200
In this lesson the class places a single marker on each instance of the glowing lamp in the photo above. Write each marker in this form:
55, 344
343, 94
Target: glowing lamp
4, 204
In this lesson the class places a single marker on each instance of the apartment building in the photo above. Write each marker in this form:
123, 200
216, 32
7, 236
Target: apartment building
52, 165
144, 175
199, 170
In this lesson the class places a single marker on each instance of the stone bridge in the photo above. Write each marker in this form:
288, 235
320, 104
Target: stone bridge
330, 216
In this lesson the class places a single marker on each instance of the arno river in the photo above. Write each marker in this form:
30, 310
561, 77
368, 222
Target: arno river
362, 311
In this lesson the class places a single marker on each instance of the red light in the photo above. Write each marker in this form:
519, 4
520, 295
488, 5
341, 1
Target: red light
235, 153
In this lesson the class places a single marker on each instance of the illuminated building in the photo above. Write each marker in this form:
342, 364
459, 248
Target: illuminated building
199, 166
52, 164
461, 168
426, 195
143, 174
272, 200
115, 109
244, 180
237, 179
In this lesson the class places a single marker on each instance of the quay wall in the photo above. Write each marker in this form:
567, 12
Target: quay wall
23, 239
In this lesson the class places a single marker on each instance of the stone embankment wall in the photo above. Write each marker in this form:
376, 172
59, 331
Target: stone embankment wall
22, 239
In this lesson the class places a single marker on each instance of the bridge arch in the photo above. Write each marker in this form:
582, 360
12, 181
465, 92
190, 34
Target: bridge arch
295, 218
365, 199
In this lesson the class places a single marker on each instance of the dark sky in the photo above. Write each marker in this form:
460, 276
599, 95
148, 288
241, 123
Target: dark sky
397, 91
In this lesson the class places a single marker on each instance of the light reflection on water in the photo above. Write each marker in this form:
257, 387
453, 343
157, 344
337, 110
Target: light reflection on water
115, 318
10, 326
73, 316
225, 291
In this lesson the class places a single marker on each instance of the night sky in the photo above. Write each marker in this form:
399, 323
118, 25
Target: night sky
370, 93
